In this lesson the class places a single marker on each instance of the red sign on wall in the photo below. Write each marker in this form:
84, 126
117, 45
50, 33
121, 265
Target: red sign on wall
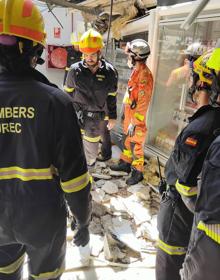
56, 32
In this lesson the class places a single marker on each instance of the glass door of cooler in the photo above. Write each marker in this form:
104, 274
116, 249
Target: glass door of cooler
171, 105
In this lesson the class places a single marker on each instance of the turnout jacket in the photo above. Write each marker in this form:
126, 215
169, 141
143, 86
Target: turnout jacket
39, 134
208, 202
94, 92
191, 146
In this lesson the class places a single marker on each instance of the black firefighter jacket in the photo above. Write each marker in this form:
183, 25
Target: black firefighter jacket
93, 92
185, 163
39, 134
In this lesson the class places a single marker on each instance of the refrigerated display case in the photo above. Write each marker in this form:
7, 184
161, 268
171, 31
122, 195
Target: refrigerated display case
171, 105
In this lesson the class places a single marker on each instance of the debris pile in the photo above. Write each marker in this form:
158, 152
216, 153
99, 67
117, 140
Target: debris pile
123, 229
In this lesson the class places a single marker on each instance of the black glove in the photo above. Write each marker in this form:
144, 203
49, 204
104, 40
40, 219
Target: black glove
81, 236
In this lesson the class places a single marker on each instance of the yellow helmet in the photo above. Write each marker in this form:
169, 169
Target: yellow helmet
91, 42
214, 60
22, 18
200, 67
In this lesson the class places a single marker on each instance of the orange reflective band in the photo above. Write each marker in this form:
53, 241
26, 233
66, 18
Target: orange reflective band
27, 8
89, 50
1, 28
191, 141
26, 32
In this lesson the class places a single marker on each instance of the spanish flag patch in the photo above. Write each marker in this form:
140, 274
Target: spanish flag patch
191, 141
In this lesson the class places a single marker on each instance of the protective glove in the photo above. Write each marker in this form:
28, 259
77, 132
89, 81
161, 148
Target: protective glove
81, 234
131, 129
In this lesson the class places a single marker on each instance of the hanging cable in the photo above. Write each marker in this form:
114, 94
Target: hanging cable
56, 18
109, 27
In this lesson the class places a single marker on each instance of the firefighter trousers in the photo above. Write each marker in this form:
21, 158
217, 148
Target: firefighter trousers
38, 231
91, 138
106, 148
202, 258
133, 148
174, 226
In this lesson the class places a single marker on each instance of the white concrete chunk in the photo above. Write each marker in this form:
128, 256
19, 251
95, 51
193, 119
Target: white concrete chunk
122, 229
110, 187
140, 213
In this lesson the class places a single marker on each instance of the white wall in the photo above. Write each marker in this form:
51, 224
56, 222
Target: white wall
71, 23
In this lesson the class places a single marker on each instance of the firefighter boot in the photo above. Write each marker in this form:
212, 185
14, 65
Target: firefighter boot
121, 166
136, 176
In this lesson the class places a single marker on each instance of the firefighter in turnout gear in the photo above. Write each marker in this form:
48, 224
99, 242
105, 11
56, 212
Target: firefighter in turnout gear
73, 56
43, 165
202, 259
135, 103
93, 83
182, 172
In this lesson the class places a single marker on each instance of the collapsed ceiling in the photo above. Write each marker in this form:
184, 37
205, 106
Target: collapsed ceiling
97, 12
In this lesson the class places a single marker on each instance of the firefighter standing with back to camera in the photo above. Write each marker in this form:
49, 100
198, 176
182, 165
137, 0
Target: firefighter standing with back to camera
136, 102
202, 258
38, 133
182, 170
93, 82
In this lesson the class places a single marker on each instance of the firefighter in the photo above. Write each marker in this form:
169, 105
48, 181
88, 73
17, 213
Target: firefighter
202, 259
136, 102
73, 56
39, 138
182, 171
93, 82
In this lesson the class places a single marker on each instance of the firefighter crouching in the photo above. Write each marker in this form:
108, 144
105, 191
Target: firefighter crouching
38, 132
93, 83
175, 216
202, 259
136, 102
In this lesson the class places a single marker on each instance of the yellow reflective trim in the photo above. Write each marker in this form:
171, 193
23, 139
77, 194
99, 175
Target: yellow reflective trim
185, 190
106, 118
76, 184
16, 172
139, 116
127, 153
171, 250
211, 230
67, 89
49, 275
67, 68
82, 131
214, 61
139, 161
92, 139
112, 93
11, 268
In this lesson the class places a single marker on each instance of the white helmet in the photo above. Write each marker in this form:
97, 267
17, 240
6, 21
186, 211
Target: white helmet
138, 48
195, 49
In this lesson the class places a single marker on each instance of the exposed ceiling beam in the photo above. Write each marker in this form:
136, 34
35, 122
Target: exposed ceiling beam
94, 11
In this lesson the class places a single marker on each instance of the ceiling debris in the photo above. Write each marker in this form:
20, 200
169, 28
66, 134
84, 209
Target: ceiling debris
97, 12
123, 11
123, 228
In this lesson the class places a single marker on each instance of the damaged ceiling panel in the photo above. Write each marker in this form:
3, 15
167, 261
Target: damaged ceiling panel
122, 12
97, 12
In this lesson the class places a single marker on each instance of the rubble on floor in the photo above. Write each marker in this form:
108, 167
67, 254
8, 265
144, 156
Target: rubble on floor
123, 228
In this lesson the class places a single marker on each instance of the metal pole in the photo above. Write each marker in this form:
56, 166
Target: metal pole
192, 16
